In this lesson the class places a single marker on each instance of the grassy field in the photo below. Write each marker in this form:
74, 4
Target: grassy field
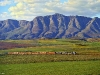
86, 62
56, 45
52, 68
85, 51
14, 59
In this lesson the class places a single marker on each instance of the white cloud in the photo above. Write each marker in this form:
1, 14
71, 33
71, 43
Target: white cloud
5, 16
28, 9
5, 2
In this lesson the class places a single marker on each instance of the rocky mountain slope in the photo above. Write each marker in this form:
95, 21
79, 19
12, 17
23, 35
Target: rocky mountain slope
51, 26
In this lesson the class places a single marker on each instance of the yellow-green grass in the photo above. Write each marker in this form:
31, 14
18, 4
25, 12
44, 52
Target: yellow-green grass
56, 45
52, 68
14, 59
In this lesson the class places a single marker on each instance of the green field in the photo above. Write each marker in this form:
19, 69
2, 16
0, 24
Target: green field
86, 62
52, 68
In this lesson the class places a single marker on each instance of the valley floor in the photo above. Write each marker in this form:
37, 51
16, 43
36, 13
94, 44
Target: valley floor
85, 62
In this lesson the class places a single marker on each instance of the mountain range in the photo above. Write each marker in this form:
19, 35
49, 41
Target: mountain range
51, 26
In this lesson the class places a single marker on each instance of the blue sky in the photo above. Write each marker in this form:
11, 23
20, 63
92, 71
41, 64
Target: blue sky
29, 9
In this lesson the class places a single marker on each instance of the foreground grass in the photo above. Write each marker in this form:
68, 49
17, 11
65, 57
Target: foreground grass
52, 68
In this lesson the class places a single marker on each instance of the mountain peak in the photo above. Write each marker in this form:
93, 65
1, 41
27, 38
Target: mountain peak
58, 14
95, 18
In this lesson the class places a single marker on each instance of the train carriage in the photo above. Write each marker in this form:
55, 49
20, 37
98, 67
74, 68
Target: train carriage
42, 52
51, 53
35, 53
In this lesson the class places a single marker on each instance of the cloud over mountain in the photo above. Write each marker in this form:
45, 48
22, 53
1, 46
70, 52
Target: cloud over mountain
28, 9
41, 7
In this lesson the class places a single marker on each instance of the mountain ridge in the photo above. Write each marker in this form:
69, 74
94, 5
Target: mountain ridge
51, 26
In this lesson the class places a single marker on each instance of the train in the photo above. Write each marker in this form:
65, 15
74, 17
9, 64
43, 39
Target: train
42, 53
